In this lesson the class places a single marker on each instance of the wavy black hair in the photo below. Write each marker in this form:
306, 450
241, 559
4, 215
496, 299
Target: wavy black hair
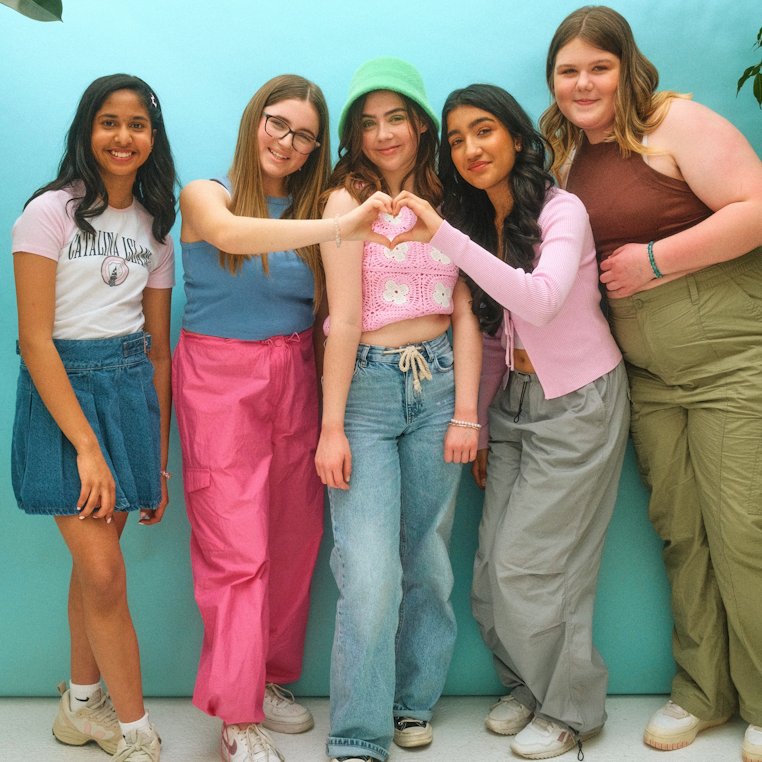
155, 182
470, 210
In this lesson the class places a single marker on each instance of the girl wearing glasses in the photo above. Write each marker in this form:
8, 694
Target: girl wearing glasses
246, 394
397, 424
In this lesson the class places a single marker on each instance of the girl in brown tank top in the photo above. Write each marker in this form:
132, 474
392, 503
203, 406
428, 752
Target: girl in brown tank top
680, 246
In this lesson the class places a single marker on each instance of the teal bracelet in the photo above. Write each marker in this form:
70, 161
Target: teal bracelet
651, 260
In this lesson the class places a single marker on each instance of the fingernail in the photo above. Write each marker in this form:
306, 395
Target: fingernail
81, 518
143, 515
108, 520
80, 508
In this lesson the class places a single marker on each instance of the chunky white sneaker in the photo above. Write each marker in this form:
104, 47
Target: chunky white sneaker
95, 721
143, 745
508, 716
751, 750
409, 732
248, 743
282, 713
674, 728
543, 739
355, 759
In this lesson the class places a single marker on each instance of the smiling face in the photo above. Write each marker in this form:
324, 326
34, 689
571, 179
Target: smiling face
585, 80
121, 140
483, 151
277, 157
389, 137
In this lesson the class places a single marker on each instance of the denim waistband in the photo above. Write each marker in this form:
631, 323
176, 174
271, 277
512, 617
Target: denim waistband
429, 349
86, 354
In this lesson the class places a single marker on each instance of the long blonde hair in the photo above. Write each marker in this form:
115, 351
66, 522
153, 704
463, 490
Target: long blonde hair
305, 186
639, 108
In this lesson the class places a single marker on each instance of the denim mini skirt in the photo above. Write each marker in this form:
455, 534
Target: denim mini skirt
113, 382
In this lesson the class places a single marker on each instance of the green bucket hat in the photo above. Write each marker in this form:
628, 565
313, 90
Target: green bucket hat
387, 73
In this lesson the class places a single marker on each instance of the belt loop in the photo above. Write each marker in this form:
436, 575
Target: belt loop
364, 355
693, 289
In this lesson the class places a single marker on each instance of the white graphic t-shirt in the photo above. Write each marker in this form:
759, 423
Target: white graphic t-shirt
99, 279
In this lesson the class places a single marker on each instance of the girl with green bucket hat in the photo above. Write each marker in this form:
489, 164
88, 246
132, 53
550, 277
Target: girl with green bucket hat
399, 419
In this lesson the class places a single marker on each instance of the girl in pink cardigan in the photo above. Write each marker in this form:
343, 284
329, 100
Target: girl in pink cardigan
558, 417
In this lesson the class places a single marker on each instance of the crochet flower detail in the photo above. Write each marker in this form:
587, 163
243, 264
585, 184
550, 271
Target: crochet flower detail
396, 292
437, 256
442, 294
397, 253
392, 220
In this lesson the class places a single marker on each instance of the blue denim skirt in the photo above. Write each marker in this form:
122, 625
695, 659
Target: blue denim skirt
113, 382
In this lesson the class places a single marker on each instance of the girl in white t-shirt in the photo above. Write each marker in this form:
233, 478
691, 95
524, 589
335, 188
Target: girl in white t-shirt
94, 268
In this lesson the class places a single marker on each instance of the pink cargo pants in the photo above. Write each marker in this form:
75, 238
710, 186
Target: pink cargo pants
248, 418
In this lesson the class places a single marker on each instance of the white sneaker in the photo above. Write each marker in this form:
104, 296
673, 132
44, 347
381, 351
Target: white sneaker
674, 728
409, 732
248, 743
542, 739
282, 713
143, 745
751, 750
94, 721
508, 716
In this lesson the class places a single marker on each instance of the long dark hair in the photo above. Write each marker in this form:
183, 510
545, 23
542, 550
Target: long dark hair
360, 176
470, 210
155, 182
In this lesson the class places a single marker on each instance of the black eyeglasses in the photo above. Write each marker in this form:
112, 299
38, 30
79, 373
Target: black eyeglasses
277, 128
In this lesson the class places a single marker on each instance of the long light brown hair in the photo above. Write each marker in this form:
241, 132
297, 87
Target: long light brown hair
639, 108
360, 176
304, 187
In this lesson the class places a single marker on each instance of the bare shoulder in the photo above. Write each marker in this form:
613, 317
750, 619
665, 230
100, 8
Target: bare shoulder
687, 119
203, 191
340, 202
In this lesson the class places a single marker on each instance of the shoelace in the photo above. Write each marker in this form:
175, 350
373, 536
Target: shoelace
282, 696
402, 723
411, 357
136, 752
102, 710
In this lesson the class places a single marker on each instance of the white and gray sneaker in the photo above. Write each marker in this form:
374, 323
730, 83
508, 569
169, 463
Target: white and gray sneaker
508, 716
543, 739
282, 713
248, 743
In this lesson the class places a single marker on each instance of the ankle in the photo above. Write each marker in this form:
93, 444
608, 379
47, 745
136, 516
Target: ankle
141, 724
79, 695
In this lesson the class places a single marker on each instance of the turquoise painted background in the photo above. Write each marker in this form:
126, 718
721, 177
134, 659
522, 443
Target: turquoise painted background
205, 60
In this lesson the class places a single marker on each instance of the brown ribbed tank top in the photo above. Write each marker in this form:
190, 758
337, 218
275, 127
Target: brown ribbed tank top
628, 201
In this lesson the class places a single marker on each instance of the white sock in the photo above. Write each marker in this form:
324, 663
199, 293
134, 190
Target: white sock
126, 727
79, 695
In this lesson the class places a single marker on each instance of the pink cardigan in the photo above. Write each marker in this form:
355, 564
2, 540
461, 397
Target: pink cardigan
555, 308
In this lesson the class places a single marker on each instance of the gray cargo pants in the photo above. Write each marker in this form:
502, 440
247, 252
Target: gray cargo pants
552, 479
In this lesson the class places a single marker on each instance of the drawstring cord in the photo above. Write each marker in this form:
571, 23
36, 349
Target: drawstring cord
411, 357
521, 400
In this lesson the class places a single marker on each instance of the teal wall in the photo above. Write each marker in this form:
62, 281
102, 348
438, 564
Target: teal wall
206, 59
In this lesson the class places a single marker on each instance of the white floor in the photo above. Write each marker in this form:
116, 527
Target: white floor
459, 735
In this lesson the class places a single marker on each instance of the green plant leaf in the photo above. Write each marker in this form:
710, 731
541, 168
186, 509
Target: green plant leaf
39, 10
758, 89
750, 72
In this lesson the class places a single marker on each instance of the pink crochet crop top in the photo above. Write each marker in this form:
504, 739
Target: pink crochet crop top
411, 280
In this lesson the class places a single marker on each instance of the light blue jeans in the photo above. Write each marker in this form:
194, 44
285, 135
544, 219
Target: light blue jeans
395, 628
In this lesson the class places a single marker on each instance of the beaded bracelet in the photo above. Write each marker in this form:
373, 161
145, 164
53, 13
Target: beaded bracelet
166, 474
337, 231
465, 424
651, 260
